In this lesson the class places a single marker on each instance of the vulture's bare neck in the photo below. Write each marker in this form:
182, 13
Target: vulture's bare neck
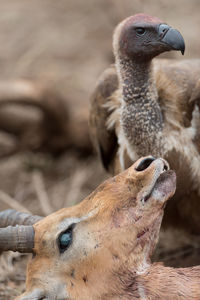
141, 115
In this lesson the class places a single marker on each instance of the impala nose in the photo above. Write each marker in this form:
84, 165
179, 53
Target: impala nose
145, 163
55, 291
36, 294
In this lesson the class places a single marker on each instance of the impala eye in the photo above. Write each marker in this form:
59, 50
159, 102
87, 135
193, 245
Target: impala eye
140, 31
65, 239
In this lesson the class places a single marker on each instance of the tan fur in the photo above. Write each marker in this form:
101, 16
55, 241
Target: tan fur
114, 237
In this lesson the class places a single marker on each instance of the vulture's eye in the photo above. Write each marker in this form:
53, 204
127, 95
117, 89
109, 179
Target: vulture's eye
65, 239
140, 31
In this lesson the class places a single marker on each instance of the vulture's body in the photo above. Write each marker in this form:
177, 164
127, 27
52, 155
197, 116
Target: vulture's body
151, 107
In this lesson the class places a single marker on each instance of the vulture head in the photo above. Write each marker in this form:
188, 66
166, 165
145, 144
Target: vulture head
143, 37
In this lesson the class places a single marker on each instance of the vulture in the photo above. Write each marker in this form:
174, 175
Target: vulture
147, 106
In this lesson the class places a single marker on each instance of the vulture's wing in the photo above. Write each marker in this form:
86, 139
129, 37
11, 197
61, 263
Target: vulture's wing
178, 85
104, 140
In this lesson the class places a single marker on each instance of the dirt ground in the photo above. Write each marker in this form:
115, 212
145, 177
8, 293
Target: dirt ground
67, 44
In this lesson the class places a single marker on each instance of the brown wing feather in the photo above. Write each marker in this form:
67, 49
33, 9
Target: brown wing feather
178, 85
104, 141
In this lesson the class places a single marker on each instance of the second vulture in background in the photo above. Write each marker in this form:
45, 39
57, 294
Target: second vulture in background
144, 106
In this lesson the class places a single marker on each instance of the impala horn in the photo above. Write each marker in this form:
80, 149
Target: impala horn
13, 217
20, 236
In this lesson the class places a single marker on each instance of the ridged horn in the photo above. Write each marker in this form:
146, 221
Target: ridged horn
19, 238
13, 217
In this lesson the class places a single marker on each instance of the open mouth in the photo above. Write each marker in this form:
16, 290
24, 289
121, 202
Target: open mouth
162, 190
164, 187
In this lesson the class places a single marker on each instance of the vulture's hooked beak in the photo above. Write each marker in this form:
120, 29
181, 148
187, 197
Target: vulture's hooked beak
171, 37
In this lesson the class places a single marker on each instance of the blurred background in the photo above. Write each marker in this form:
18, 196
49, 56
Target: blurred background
51, 54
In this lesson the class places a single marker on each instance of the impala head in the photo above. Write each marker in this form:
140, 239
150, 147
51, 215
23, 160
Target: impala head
143, 37
78, 251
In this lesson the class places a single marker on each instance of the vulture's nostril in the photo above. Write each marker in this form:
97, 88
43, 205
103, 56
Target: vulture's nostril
163, 28
145, 163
